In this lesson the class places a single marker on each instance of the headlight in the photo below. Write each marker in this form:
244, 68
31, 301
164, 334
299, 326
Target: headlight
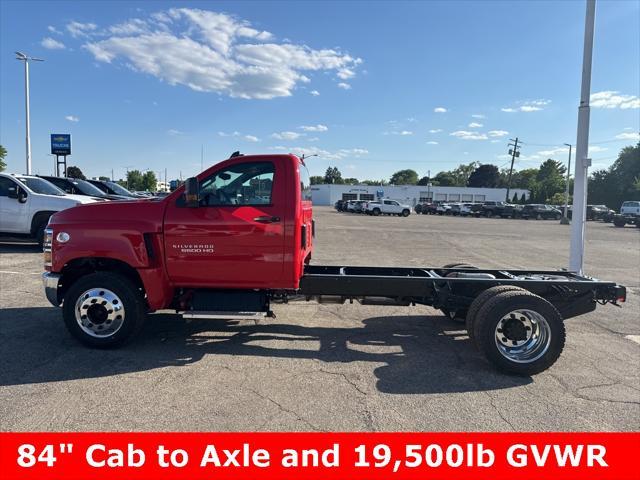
63, 237
46, 246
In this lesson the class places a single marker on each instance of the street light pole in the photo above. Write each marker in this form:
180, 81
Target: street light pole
576, 257
565, 218
25, 58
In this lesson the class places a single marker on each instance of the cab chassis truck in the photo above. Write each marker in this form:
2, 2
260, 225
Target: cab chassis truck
239, 237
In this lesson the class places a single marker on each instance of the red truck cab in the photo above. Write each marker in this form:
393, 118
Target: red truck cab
244, 228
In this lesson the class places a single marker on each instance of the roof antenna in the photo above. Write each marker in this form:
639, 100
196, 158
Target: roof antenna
236, 154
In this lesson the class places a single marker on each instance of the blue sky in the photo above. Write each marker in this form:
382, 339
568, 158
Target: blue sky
372, 87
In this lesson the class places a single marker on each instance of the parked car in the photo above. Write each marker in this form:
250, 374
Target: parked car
493, 209
540, 212
511, 211
76, 186
340, 205
443, 209
629, 214
599, 212
427, 208
387, 207
27, 202
112, 188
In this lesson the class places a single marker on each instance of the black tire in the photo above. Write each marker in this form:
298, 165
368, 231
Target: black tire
480, 300
619, 222
549, 346
405, 212
558, 216
376, 212
40, 233
128, 295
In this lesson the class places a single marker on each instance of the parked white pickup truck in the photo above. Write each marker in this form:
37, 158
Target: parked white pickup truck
387, 207
27, 202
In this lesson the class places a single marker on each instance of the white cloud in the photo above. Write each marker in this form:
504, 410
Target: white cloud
314, 128
435, 130
440, 110
628, 136
475, 125
72, 118
613, 99
78, 29
432, 143
53, 29
403, 133
315, 93
251, 138
286, 135
344, 86
174, 133
597, 149
497, 133
51, 44
212, 52
478, 115
248, 138
527, 106
465, 135
325, 154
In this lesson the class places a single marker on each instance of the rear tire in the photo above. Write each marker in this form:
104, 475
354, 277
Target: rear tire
405, 213
104, 310
480, 300
519, 332
376, 212
619, 222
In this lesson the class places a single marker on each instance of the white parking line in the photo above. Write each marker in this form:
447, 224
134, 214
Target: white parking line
20, 273
633, 338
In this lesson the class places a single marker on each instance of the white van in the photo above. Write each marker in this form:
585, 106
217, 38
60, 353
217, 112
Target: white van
27, 202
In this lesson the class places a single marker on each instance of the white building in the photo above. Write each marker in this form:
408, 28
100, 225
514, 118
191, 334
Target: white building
410, 194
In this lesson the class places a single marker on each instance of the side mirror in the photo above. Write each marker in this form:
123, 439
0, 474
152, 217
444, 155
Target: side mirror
13, 192
22, 196
192, 192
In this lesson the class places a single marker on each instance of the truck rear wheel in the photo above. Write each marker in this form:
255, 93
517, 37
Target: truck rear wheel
519, 332
480, 300
103, 310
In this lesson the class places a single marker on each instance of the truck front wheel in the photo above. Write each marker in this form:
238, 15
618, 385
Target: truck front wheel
376, 212
103, 310
519, 332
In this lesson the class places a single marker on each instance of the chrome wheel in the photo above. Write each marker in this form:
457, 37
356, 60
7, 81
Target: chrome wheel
99, 312
523, 336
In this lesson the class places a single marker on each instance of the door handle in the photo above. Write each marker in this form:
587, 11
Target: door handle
266, 219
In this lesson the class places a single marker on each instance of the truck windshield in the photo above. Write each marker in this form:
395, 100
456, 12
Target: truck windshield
86, 188
39, 185
118, 189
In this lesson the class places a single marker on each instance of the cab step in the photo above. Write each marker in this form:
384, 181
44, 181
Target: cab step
222, 315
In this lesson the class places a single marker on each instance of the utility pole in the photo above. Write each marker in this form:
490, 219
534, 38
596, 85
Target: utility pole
25, 58
578, 214
514, 152
565, 217
112, 175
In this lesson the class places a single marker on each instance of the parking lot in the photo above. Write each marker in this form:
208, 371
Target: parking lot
333, 367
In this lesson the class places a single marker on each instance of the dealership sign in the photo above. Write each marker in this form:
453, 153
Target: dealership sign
61, 144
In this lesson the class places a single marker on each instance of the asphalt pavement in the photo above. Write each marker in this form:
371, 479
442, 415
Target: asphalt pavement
333, 367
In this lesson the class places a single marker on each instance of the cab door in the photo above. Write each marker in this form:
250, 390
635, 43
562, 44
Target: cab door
235, 238
13, 212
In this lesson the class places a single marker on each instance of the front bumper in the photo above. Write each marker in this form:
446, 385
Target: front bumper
51, 282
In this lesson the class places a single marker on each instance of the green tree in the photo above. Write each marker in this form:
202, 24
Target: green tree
351, 181
75, 172
373, 182
134, 180
514, 200
486, 176
620, 182
557, 199
424, 181
444, 179
3, 154
462, 173
316, 179
104, 179
404, 177
333, 175
549, 181
149, 181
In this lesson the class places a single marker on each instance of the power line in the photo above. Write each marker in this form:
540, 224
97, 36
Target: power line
514, 152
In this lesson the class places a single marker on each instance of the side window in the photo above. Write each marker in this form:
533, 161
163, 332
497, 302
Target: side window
305, 183
61, 184
5, 185
240, 184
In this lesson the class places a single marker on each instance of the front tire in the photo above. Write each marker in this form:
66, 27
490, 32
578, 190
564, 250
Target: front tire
405, 213
519, 332
104, 310
376, 212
